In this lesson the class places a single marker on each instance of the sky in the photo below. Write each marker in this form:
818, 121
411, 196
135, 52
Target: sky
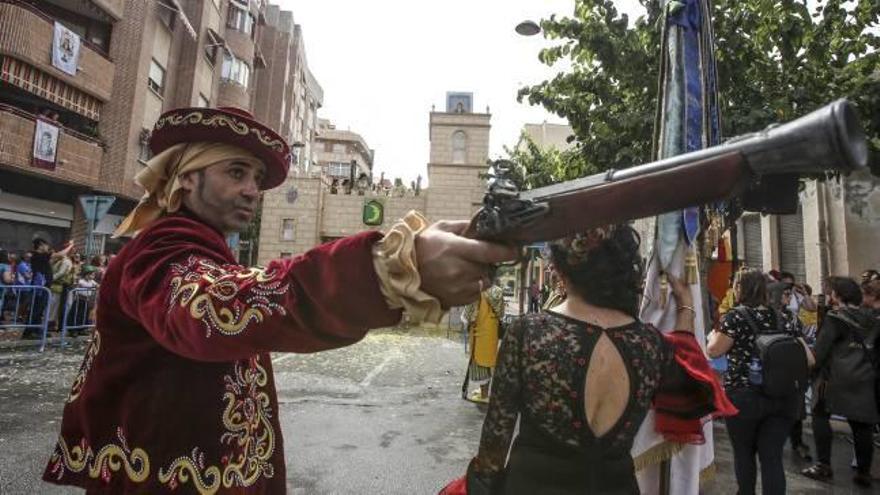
383, 63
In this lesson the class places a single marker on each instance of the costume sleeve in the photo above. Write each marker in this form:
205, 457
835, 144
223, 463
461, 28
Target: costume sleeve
200, 307
496, 300
731, 324
486, 469
689, 391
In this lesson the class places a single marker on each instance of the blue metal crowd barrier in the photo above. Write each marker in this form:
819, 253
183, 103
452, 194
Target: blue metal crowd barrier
29, 306
78, 310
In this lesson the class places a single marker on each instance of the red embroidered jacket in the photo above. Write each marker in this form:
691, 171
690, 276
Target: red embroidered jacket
176, 389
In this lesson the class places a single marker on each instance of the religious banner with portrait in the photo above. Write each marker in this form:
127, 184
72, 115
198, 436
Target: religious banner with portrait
65, 49
45, 144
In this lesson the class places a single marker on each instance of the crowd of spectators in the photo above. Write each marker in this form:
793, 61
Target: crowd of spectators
838, 330
22, 302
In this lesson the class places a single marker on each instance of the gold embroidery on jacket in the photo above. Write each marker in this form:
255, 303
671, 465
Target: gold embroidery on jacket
109, 460
183, 468
80, 380
227, 299
246, 418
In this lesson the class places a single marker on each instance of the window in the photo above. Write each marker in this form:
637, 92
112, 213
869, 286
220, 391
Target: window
203, 101
286, 255
328, 147
240, 19
459, 147
235, 70
337, 169
287, 229
339, 148
156, 80
212, 46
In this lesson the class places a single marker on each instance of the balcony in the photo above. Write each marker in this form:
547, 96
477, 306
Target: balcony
231, 94
112, 7
26, 34
78, 157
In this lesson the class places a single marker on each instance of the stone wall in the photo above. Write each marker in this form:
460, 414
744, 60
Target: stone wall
343, 214
456, 191
305, 213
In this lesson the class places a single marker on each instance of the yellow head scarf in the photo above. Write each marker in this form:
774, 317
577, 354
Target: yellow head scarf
160, 179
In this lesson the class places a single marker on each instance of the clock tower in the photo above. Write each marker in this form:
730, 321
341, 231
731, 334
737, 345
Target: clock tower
458, 160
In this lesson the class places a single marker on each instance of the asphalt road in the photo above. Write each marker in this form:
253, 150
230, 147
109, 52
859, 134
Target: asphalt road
380, 417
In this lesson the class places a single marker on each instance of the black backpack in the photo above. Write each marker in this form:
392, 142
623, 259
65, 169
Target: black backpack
783, 358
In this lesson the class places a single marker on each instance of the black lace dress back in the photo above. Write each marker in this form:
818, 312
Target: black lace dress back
547, 378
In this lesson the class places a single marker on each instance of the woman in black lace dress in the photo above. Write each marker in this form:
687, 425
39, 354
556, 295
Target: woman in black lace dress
581, 377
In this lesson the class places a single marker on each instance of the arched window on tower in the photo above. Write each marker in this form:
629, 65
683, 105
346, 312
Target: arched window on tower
459, 147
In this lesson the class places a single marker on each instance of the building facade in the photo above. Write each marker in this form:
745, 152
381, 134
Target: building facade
307, 210
126, 63
547, 135
834, 232
342, 154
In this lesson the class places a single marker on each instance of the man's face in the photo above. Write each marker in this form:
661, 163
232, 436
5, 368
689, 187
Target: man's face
225, 194
786, 297
42, 248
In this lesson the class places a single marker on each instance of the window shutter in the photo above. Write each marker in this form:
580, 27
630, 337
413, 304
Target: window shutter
753, 255
791, 244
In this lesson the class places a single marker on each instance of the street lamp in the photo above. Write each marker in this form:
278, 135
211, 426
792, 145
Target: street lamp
528, 28
525, 28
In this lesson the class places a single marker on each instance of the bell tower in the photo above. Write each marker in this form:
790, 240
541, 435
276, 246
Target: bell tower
458, 159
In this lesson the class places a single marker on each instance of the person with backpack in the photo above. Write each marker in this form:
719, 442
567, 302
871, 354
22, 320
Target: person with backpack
846, 367
767, 368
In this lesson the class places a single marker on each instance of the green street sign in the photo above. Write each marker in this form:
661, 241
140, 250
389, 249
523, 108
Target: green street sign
374, 213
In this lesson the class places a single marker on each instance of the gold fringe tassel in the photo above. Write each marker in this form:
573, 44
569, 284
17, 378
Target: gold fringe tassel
655, 455
707, 474
664, 290
691, 275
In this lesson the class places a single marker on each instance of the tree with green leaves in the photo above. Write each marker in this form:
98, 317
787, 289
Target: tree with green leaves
777, 60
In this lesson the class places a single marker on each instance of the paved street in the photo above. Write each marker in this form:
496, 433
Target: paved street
383, 416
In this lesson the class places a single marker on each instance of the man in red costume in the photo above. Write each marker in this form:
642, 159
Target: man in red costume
176, 391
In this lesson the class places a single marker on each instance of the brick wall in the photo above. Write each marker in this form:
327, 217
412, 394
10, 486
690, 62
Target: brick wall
78, 160
241, 45
112, 7
233, 95
27, 36
123, 115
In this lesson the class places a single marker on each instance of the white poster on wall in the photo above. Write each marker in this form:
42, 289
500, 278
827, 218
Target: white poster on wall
65, 49
45, 144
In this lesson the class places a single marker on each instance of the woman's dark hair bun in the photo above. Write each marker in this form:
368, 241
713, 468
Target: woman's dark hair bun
611, 273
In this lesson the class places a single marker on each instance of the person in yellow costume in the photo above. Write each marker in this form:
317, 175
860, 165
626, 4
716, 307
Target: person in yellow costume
483, 320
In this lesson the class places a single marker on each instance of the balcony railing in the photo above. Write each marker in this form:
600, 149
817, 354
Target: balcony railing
26, 33
77, 159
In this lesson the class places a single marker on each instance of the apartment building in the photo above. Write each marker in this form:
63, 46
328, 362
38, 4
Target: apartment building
342, 153
96, 74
